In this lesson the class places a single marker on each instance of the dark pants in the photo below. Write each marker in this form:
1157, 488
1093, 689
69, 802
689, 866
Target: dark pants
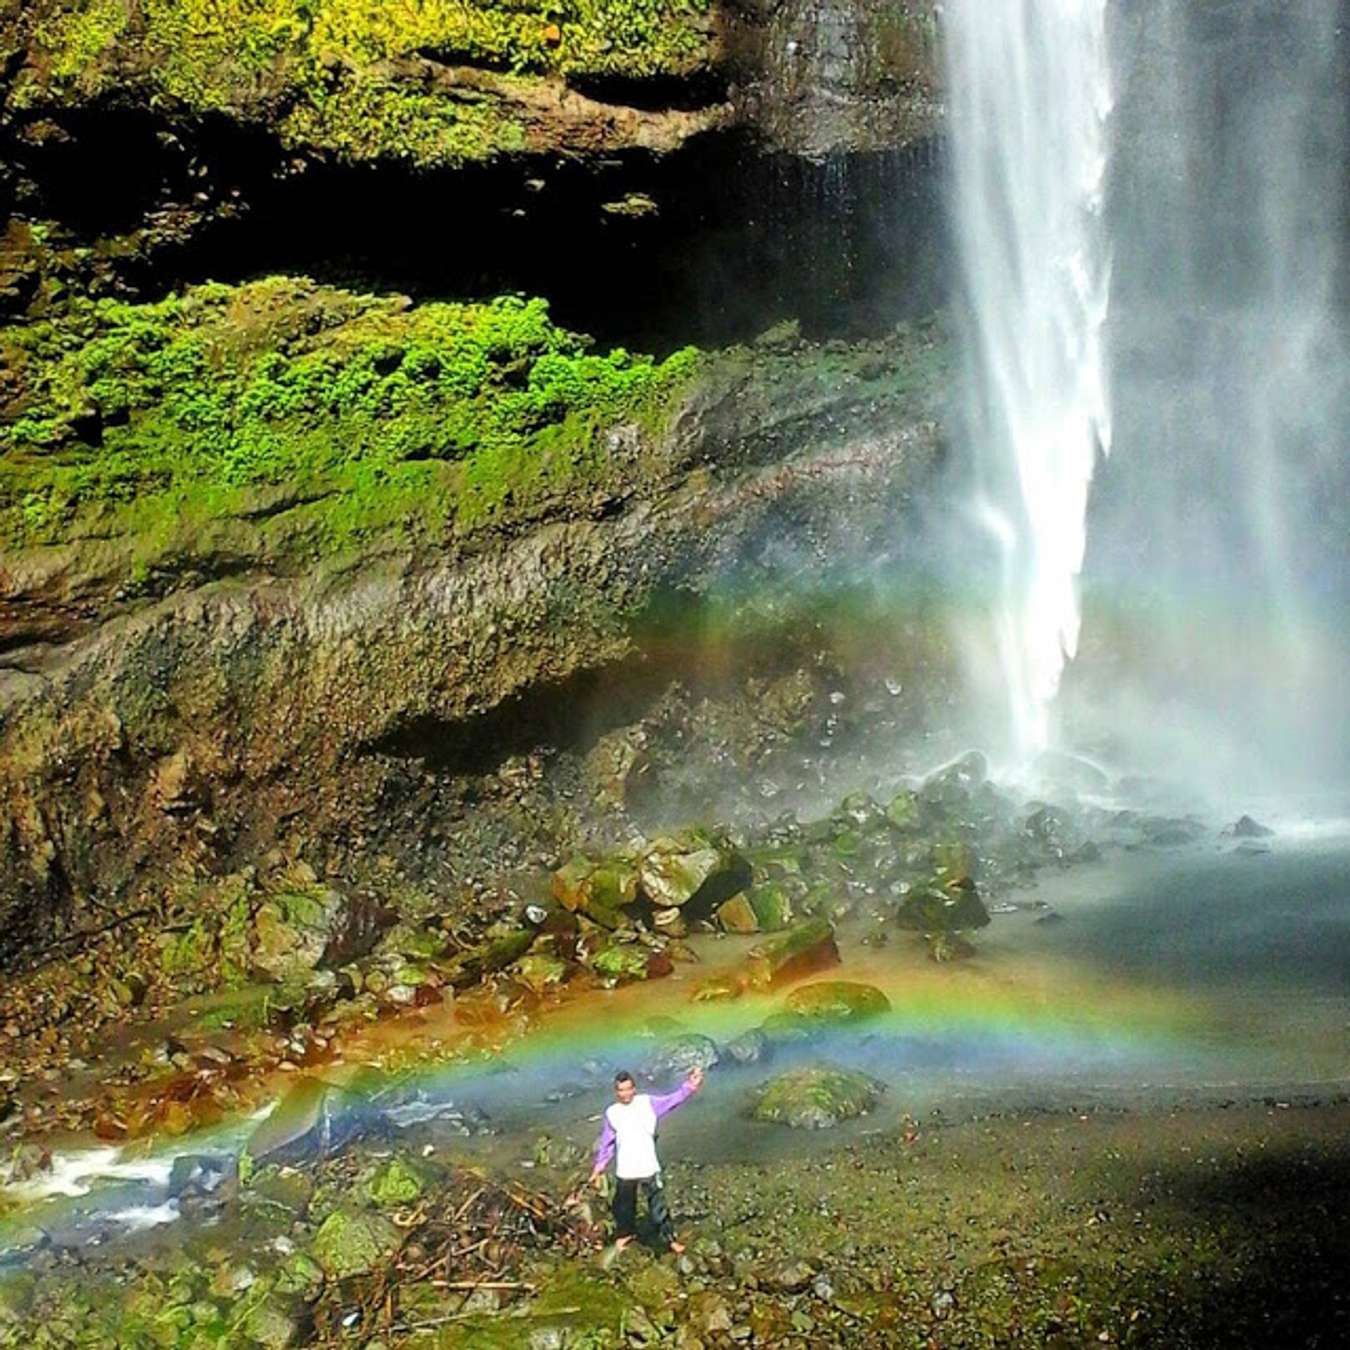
625, 1208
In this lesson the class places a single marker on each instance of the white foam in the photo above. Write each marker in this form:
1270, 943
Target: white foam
136, 1218
76, 1174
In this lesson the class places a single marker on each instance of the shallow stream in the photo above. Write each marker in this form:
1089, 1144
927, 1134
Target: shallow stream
1211, 972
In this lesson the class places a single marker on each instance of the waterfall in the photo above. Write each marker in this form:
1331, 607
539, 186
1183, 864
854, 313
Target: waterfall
1218, 567
1029, 94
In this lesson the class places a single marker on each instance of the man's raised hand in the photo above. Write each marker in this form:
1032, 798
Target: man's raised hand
695, 1079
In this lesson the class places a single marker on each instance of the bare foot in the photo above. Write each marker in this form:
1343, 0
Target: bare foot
621, 1242
677, 1248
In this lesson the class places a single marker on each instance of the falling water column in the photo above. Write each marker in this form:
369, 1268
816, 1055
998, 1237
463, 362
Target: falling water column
1029, 94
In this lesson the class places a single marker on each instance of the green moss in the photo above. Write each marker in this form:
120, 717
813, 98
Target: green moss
374, 118
282, 396
815, 1097
329, 61
395, 1184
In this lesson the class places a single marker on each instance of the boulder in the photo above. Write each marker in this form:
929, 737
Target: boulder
496, 954
791, 1276
296, 932
725, 984
313, 1120
801, 951
936, 909
1052, 831
859, 812
905, 812
949, 788
953, 862
674, 1058
772, 906
625, 962
691, 869
750, 1047
838, 1001
290, 933
271, 1324
944, 947
737, 915
615, 763
789, 1028
396, 1183
816, 1097
352, 1242
598, 889
540, 970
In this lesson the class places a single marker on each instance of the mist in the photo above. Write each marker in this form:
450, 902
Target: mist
1150, 207
1216, 575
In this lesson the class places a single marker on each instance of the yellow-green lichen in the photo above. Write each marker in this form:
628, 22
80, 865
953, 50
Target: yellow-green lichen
344, 76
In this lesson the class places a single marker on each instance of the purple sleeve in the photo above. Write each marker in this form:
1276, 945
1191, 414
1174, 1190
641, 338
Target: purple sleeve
665, 1104
604, 1146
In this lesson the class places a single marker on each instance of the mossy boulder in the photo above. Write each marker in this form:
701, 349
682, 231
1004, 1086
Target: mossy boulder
540, 971
737, 915
395, 1184
838, 1001
772, 905
271, 1323
294, 932
496, 953
953, 862
937, 909
816, 1097
599, 889
674, 1058
622, 963
354, 1242
792, 955
300, 1276
860, 812
905, 812
691, 869
790, 1028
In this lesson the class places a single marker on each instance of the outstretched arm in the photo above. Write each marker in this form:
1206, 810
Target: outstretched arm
668, 1102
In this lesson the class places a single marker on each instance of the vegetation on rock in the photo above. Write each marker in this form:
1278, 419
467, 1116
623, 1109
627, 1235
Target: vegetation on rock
201, 405
816, 1097
345, 77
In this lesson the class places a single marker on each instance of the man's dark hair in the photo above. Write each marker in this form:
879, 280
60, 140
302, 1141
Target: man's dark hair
623, 1076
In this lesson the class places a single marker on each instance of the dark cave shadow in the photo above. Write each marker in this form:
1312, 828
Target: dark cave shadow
1279, 1223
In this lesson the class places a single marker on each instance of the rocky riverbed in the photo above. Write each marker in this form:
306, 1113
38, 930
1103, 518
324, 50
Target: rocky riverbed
412, 1182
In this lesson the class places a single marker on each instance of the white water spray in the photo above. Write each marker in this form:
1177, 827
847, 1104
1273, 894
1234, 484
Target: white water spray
1029, 97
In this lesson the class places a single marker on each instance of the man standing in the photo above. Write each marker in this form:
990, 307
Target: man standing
628, 1134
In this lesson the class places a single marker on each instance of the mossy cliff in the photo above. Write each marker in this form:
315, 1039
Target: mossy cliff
357, 80
282, 560
151, 145
353, 411
317, 508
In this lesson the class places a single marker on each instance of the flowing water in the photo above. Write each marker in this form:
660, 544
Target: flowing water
1200, 974
1218, 566
1206, 970
1029, 93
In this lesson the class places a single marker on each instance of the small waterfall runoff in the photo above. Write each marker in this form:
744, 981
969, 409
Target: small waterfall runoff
1029, 94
